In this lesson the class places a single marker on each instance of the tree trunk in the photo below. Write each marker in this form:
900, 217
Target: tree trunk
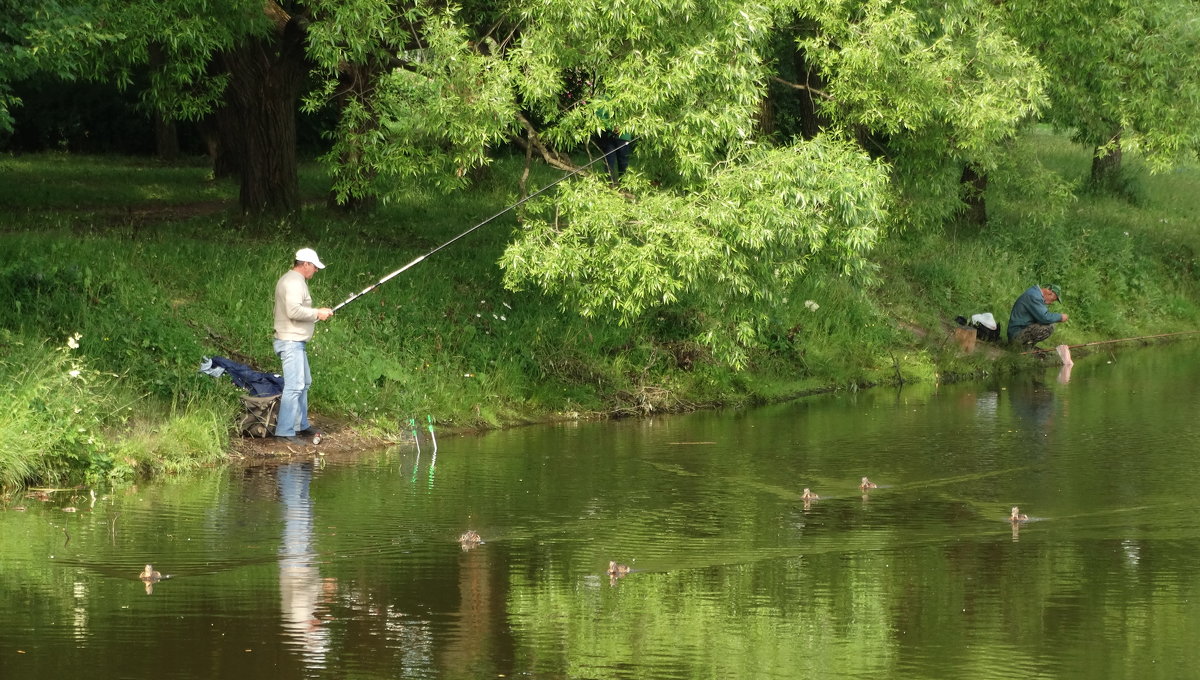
766, 113
264, 86
974, 190
166, 138
1106, 161
221, 135
812, 121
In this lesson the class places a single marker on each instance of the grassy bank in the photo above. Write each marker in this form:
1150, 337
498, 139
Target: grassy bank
149, 268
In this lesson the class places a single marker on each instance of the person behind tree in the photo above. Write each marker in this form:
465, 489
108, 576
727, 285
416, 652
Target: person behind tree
1031, 320
615, 145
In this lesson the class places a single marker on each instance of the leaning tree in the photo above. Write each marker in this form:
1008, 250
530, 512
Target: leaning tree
1122, 73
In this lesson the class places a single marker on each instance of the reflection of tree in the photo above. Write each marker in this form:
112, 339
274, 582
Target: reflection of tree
470, 650
299, 577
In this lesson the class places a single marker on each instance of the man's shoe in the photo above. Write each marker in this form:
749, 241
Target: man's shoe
291, 439
309, 432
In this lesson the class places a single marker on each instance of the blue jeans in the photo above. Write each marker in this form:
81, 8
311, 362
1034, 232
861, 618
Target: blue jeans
293, 404
617, 151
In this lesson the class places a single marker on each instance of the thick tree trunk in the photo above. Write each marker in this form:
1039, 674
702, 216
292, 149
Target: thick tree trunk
974, 192
1106, 161
264, 86
221, 134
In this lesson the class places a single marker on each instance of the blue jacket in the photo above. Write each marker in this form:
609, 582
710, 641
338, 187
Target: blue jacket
1030, 308
257, 383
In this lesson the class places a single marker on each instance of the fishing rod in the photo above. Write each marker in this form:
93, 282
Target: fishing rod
401, 270
1107, 342
432, 436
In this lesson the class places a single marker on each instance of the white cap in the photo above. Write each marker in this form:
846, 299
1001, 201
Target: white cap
309, 255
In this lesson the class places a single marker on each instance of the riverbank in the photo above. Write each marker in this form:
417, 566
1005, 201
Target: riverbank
122, 275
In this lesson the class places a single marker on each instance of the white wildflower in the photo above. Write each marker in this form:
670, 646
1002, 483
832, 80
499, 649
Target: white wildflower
74, 373
812, 306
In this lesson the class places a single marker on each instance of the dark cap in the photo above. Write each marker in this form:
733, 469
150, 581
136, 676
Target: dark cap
1054, 289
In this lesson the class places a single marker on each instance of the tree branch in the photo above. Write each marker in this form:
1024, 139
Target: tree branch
551, 158
820, 93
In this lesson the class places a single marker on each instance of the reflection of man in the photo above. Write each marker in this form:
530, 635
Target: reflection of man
1031, 321
299, 578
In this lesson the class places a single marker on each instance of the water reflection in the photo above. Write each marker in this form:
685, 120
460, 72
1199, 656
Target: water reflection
300, 586
471, 649
353, 570
1033, 403
1064, 374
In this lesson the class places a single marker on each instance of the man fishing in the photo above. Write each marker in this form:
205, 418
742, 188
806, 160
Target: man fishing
1031, 321
295, 321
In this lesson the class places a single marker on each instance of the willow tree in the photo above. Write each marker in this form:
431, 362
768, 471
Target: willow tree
1123, 73
711, 220
935, 88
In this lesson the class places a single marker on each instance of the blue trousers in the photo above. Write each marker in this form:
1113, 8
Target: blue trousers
618, 154
293, 404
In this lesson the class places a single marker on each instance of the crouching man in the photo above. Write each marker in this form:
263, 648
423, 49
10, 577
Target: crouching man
1031, 320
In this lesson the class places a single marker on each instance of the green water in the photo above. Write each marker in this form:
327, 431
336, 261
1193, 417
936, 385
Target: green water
350, 568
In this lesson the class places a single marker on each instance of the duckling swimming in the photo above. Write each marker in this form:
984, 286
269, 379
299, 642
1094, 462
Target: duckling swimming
867, 484
808, 495
617, 570
150, 575
1018, 516
469, 539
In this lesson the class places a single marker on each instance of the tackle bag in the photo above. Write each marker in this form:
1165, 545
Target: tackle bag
986, 334
985, 327
261, 414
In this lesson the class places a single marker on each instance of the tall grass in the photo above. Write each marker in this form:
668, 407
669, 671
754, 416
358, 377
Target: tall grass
63, 418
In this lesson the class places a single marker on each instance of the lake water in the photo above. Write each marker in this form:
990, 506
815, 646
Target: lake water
351, 568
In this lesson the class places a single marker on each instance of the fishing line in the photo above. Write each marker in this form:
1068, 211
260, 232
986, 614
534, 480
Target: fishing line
1041, 350
401, 270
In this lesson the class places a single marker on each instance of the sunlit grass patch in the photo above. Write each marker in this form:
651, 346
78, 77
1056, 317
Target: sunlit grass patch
71, 182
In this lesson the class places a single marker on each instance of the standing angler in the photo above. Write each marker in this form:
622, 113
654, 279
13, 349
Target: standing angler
1030, 321
295, 321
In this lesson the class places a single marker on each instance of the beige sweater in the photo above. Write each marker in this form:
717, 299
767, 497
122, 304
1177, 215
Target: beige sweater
295, 317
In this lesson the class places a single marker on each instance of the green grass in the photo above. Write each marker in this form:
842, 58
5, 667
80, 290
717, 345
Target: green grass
117, 252
66, 182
